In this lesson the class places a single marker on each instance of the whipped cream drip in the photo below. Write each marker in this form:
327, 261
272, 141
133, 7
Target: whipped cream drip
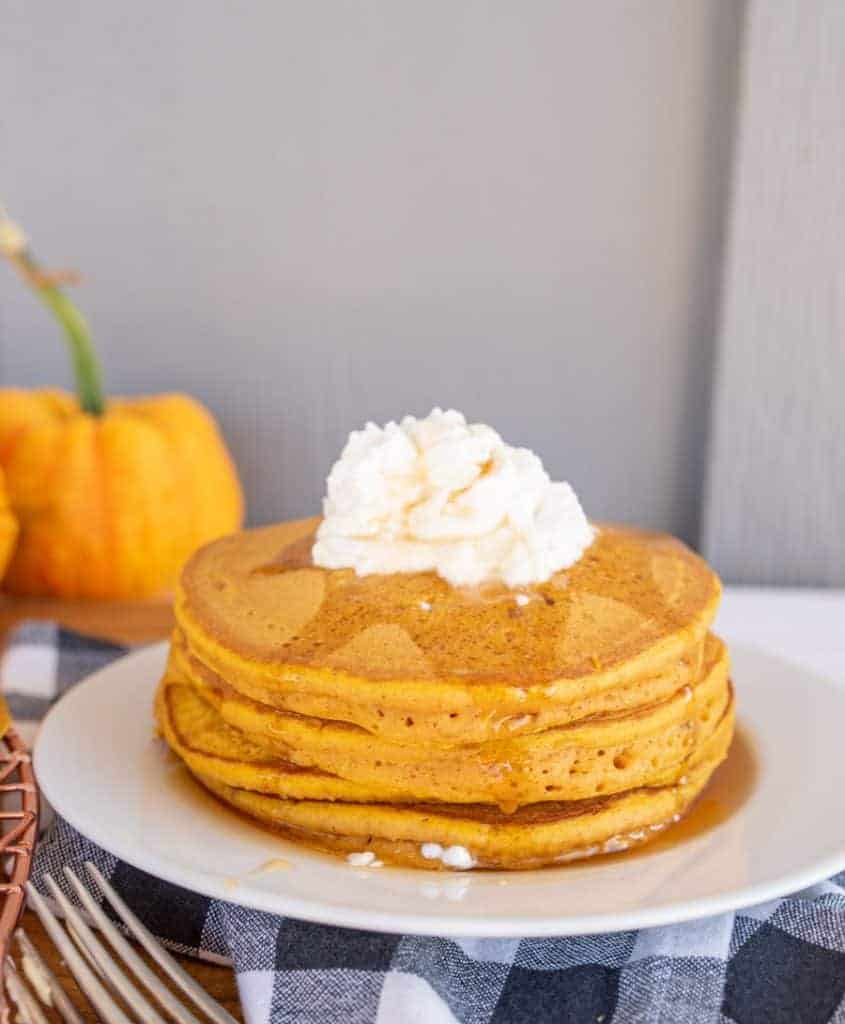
439, 494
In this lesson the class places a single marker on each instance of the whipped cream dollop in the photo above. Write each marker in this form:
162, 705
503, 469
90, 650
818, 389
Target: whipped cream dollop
439, 494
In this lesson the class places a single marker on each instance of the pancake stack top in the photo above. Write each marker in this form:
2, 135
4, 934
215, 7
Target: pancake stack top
438, 725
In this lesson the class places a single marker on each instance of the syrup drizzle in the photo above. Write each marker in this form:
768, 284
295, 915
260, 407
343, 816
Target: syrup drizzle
730, 787
732, 784
296, 555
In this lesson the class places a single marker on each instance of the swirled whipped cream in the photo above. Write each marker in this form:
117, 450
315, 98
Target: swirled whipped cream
439, 494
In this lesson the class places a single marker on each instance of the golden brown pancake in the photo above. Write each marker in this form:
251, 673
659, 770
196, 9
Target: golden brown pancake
534, 836
530, 726
621, 627
603, 755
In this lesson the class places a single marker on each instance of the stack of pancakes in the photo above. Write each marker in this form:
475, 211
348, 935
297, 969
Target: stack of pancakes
400, 715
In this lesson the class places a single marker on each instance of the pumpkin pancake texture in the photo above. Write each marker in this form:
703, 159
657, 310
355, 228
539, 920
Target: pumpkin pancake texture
531, 726
631, 593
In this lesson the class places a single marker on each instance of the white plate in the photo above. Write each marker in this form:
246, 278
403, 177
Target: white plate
100, 767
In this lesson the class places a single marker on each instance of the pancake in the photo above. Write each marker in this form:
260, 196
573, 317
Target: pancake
525, 726
624, 626
603, 755
534, 836
197, 734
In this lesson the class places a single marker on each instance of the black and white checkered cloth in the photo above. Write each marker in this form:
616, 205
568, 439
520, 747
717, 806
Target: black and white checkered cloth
780, 963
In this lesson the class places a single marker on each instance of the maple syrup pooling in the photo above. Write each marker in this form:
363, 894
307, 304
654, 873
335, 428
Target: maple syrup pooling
730, 786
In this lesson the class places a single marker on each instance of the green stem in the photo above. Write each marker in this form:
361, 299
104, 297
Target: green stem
86, 365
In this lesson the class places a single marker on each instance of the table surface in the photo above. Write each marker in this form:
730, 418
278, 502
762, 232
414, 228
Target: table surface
124, 623
803, 625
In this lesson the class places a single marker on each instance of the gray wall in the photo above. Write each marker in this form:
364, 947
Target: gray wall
310, 214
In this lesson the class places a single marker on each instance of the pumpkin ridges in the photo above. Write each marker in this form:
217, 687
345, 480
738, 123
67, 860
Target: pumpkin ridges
56, 561
22, 410
105, 506
216, 492
118, 564
111, 506
80, 519
31, 502
145, 493
55, 545
30, 464
76, 555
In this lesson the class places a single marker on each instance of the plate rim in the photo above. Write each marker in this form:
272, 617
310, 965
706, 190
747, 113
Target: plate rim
402, 922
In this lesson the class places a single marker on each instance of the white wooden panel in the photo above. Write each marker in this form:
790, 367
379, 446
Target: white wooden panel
776, 490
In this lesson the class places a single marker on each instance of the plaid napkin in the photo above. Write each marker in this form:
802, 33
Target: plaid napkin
780, 963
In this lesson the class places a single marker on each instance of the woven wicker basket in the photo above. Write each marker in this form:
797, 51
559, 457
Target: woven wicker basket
18, 832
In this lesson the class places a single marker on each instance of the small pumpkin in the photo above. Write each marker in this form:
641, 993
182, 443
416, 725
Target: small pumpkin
111, 496
8, 529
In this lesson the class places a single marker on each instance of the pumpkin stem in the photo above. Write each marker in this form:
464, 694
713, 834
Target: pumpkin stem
86, 365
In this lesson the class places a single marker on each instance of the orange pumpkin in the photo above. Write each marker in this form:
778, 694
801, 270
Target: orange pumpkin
111, 505
111, 496
8, 530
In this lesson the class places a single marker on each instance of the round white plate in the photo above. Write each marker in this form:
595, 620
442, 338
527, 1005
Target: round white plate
100, 767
